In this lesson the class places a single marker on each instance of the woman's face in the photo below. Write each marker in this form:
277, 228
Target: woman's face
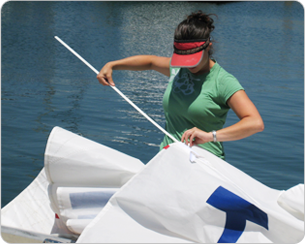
204, 65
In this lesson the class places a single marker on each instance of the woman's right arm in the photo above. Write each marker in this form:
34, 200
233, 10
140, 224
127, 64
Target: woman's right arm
136, 63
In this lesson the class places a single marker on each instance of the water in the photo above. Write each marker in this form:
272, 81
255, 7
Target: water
44, 85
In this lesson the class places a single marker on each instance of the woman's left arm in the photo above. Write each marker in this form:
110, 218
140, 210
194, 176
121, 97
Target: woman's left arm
249, 124
250, 120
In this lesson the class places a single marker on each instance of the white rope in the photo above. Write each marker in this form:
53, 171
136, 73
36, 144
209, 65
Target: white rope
118, 91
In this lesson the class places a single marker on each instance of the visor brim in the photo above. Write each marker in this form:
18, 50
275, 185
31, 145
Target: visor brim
186, 61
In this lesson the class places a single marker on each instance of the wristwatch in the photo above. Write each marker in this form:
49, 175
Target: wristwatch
214, 136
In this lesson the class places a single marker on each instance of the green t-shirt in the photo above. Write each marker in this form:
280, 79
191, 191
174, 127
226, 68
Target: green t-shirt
198, 101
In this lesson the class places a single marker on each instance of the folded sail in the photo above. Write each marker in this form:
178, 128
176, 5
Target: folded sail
83, 175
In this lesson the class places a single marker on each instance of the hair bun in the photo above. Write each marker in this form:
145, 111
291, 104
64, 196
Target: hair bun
201, 17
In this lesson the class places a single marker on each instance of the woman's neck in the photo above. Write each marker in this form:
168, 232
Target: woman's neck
206, 68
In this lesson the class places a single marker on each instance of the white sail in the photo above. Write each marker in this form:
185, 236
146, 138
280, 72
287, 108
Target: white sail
178, 198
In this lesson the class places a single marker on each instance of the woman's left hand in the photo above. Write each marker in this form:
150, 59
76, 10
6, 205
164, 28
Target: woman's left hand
195, 136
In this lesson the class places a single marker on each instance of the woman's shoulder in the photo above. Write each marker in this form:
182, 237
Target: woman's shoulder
227, 84
223, 76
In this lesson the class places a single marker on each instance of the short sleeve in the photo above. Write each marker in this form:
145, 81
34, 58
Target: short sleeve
228, 85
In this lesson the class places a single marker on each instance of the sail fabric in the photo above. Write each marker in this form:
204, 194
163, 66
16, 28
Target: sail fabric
78, 179
30, 210
189, 195
83, 175
73, 160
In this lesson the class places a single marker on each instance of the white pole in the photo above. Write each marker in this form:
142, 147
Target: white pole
118, 91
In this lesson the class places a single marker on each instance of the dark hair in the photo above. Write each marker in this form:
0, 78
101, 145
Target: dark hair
197, 25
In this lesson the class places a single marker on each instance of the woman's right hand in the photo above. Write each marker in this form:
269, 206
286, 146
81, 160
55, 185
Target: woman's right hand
135, 63
105, 75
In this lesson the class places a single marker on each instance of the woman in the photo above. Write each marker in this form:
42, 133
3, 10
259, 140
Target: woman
200, 92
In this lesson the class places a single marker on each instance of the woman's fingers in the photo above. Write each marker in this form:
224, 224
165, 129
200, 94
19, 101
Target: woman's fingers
195, 136
109, 81
105, 76
184, 137
188, 136
105, 80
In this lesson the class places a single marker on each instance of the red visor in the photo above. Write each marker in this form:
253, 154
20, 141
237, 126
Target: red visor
181, 57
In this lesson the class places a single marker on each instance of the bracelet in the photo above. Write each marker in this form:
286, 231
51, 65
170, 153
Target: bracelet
214, 136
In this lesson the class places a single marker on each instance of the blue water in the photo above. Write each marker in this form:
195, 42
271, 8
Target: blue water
43, 85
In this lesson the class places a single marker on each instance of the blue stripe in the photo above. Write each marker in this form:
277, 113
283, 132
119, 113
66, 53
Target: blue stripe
95, 199
238, 211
